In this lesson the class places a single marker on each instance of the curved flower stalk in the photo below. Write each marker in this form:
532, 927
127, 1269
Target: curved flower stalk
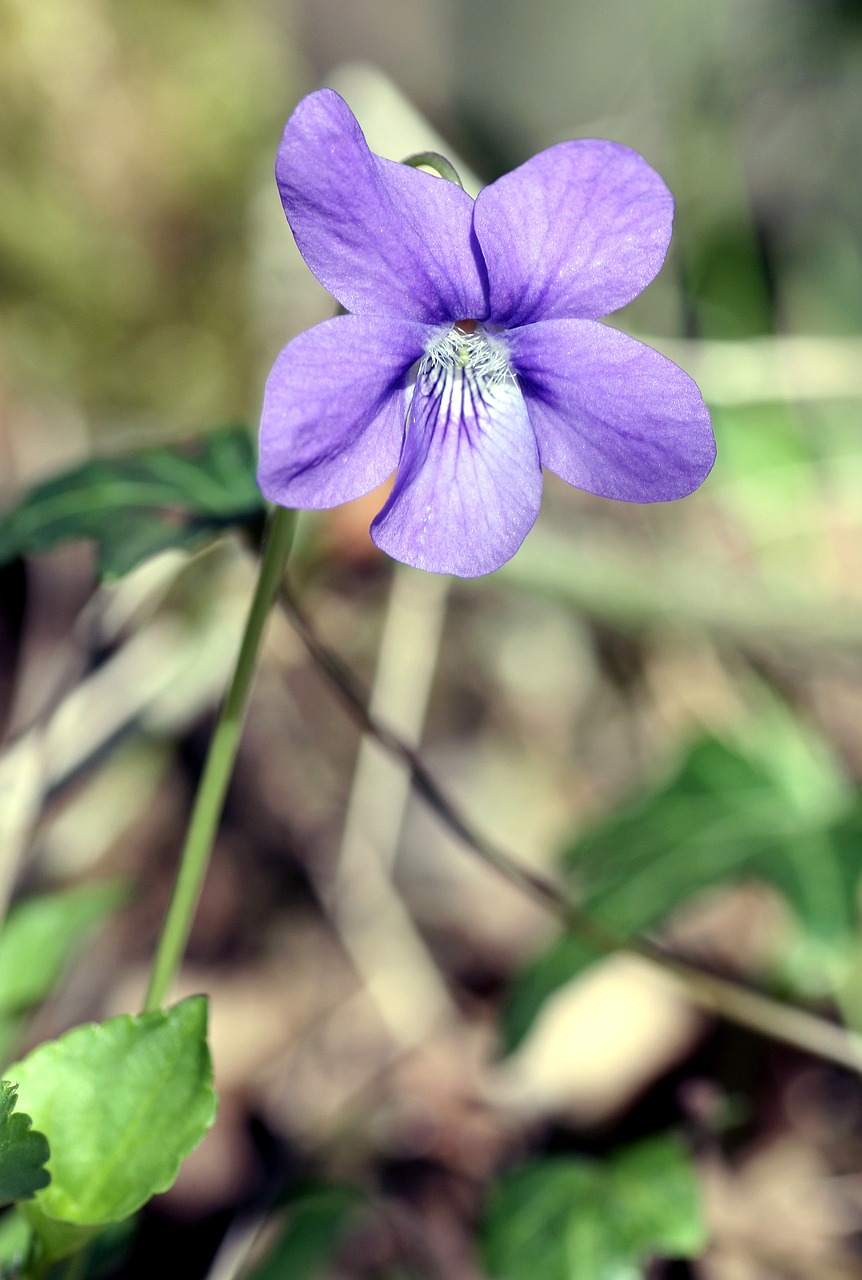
472, 355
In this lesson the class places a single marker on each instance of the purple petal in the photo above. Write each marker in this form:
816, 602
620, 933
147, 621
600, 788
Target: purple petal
383, 238
334, 410
469, 483
611, 415
577, 231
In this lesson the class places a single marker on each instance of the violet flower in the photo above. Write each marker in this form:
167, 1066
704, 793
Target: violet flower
472, 356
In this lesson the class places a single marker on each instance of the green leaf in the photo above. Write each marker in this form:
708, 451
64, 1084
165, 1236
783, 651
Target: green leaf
718, 815
723, 817
655, 1186
315, 1227
578, 1219
41, 934
142, 502
23, 1151
122, 1103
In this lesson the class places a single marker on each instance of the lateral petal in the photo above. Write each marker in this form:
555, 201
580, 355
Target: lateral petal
577, 231
334, 410
610, 414
469, 483
383, 238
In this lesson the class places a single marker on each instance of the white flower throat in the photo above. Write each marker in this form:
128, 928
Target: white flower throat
469, 348
464, 383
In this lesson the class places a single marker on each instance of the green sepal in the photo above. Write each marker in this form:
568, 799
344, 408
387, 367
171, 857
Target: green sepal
434, 160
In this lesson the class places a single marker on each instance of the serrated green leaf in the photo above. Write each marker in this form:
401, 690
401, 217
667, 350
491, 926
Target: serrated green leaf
578, 1219
40, 935
723, 817
23, 1151
316, 1224
122, 1103
142, 502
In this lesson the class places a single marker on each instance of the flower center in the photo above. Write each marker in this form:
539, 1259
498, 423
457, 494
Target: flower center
465, 386
470, 349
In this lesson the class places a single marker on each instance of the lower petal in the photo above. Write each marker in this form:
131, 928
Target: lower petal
611, 415
334, 410
469, 483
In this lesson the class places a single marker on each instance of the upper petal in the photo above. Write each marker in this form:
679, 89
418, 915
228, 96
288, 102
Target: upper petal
469, 483
334, 410
611, 415
577, 231
383, 238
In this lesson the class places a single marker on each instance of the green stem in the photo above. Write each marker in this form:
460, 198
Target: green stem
209, 800
76, 1266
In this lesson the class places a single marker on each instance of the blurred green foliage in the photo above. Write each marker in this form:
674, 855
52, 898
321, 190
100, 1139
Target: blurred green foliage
317, 1224
38, 939
41, 933
775, 812
141, 502
582, 1219
132, 137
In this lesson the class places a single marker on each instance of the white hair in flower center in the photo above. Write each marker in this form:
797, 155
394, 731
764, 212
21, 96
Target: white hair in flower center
470, 347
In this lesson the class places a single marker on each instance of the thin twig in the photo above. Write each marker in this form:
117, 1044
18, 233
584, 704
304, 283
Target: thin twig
716, 995
372, 920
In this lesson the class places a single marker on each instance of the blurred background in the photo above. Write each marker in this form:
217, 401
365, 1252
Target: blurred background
147, 281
